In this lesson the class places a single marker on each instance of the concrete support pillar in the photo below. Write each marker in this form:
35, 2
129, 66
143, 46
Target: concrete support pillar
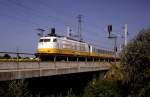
77, 59
54, 58
104, 60
99, 75
86, 59
99, 60
67, 59
108, 60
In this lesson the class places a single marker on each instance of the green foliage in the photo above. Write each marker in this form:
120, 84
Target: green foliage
69, 94
136, 60
7, 56
102, 88
3, 89
15, 88
115, 72
18, 88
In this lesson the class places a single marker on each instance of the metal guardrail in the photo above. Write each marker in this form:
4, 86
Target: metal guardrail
17, 53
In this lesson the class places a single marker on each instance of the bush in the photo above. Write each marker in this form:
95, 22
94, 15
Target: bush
14, 88
6, 56
102, 88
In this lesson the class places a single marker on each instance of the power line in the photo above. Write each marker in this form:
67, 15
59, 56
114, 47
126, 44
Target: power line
34, 11
37, 12
15, 18
47, 7
23, 9
26, 10
90, 26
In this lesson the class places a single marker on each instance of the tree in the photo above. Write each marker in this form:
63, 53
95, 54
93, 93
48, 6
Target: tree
115, 72
7, 56
102, 88
14, 88
136, 60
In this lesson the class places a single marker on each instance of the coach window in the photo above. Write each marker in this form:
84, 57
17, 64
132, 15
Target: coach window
55, 40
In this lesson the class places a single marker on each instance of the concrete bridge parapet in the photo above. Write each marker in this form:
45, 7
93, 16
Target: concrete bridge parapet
21, 70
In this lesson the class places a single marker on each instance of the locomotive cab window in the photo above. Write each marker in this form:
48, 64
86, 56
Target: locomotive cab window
46, 40
41, 40
54, 40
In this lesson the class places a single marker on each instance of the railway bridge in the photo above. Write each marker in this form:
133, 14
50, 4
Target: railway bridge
22, 70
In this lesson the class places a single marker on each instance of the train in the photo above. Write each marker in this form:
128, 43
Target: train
52, 47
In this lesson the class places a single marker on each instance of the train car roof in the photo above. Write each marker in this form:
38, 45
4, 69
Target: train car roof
63, 37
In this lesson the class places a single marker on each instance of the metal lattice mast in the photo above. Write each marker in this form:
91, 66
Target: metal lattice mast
68, 31
80, 27
125, 34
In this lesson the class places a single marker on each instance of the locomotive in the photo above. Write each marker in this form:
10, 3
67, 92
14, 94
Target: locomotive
53, 46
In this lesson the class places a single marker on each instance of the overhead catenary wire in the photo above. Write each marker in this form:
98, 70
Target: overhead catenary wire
17, 17
36, 13
91, 27
25, 10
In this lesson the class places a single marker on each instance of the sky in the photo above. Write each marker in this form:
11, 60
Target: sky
19, 20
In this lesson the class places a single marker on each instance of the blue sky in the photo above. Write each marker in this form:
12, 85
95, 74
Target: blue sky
19, 20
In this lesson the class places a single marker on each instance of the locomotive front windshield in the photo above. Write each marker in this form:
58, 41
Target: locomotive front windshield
44, 40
